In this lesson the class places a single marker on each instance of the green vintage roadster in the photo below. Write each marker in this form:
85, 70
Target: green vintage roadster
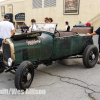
23, 53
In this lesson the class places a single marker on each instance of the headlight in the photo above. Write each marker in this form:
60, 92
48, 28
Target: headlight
10, 62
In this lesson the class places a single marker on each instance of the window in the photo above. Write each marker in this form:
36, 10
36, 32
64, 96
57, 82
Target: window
49, 3
37, 4
2, 10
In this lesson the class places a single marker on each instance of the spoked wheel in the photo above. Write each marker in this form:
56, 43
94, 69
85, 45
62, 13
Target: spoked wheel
90, 56
24, 75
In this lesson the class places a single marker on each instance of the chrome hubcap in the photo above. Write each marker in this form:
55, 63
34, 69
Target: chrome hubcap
93, 56
29, 76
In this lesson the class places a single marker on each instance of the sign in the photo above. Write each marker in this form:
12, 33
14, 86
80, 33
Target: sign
20, 16
10, 8
2, 10
71, 6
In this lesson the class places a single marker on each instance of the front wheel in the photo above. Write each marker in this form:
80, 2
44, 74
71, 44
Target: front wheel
1, 67
24, 75
90, 56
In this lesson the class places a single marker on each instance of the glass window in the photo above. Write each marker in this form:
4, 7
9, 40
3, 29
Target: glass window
37, 4
49, 3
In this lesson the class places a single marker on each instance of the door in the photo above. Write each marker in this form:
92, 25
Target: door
62, 47
76, 44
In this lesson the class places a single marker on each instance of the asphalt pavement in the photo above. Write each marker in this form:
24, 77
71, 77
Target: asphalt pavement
60, 82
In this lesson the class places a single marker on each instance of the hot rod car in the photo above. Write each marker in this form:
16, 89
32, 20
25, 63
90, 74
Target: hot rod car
21, 54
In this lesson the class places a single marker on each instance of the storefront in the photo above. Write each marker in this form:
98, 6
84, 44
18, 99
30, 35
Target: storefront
19, 19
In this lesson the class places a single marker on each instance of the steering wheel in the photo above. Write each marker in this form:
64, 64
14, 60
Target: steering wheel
76, 33
57, 32
51, 29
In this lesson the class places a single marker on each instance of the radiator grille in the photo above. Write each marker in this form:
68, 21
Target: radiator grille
6, 51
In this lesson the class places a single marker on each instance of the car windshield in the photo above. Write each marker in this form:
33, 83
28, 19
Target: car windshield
50, 27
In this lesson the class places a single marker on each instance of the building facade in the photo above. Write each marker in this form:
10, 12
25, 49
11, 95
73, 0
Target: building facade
13, 7
72, 11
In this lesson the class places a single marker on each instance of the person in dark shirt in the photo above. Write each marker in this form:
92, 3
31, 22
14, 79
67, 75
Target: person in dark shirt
24, 29
67, 28
97, 32
50, 20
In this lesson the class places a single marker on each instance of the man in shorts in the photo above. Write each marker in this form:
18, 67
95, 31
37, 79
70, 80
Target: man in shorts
97, 32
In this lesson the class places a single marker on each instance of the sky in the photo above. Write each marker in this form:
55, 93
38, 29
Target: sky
2, 0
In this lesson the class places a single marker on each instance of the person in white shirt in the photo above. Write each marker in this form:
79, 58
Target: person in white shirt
33, 26
6, 28
48, 26
67, 27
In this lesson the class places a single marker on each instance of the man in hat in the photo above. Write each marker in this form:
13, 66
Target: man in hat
88, 24
6, 28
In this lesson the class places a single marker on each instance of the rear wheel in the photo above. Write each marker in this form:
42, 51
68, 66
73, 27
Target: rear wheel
24, 75
90, 56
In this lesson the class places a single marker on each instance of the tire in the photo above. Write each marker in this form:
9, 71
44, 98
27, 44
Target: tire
1, 63
1, 67
24, 75
90, 56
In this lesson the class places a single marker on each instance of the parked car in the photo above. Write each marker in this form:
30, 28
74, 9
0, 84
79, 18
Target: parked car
23, 53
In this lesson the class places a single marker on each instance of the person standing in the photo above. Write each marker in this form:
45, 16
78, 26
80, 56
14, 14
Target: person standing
24, 29
50, 20
97, 32
46, 20
33, 26
6, 28
67, 28
48, 25
88, 24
